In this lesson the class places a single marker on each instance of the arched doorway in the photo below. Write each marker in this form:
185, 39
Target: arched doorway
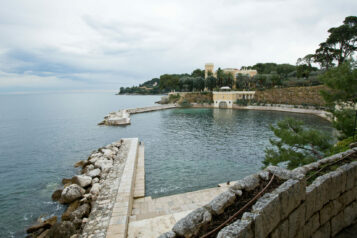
223, 104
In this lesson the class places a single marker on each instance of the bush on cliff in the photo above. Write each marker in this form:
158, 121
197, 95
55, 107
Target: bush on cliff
342, 145
173, 98
296, 145
185, 103
341, 96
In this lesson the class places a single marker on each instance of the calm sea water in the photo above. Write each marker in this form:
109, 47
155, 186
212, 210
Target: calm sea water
43, 135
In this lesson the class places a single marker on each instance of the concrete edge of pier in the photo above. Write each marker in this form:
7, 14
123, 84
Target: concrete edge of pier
122, 117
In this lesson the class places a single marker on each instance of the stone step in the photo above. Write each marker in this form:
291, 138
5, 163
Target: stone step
139, 188
146, 208
154, 227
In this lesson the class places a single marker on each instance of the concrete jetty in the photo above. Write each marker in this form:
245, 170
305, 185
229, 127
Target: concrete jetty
122, 210
122, 117
134, 215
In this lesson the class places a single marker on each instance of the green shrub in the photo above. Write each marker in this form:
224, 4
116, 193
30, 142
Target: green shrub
242, 102
342, 145
185, 103
173, 98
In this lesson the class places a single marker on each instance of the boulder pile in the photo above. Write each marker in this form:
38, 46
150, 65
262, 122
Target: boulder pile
79, 194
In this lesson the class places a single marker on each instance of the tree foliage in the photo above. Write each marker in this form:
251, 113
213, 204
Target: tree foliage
340, 45
243, 82
341, 96
227, 80
342, 84
296, 145
210, 83
198, 73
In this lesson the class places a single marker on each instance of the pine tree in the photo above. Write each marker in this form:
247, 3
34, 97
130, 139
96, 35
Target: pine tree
297, 145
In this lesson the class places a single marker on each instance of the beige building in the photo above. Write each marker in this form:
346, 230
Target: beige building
209, 69
226, 99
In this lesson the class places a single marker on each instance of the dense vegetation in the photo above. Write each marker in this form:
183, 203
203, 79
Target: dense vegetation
269, 75
338, 47
297, 145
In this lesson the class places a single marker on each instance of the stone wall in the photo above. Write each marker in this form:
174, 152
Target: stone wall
294, 209
293, 96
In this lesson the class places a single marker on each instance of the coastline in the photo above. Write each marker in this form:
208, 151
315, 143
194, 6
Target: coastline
103, 200
122, 117
275, 107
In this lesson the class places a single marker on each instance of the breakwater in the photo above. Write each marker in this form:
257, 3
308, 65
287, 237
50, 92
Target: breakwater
88, 195
122, 117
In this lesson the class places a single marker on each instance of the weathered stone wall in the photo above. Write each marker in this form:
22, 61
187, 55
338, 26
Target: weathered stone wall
194, 97
293, 96
294, 209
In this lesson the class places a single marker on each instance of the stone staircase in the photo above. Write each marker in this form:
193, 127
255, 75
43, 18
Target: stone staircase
152, 217
135, 215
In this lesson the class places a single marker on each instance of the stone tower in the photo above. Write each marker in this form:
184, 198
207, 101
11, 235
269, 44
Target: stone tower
209, 67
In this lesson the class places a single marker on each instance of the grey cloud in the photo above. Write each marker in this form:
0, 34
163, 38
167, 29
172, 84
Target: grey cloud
120, 43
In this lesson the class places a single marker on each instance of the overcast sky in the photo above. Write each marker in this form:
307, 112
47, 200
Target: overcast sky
48, 45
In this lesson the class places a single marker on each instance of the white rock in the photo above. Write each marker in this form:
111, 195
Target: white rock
94, 173
104, 164
71, 193
95, 189
95, 180
82, 180
108, 153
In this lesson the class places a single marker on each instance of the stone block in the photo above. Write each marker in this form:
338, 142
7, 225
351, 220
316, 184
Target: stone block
330, 158
349, 170
190, 225
327, 212
311, 166
221, 202
323, 186
338, 184
301, 170
269, 217
346, 197
279, 172
248, 183
251, 182
291, 193
312, 225
281, 231
297, 221
264, 175
169, 234
350, 213
275, 234
323, 232
310, 200
337, 223
238, 229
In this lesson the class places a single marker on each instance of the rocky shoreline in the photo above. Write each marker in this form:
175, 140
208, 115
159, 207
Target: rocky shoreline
84, 194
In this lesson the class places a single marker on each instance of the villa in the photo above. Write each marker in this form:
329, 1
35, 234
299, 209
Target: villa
225, 99
209, 69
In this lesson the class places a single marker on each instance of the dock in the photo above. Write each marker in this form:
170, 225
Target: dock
122, 117
136, 215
